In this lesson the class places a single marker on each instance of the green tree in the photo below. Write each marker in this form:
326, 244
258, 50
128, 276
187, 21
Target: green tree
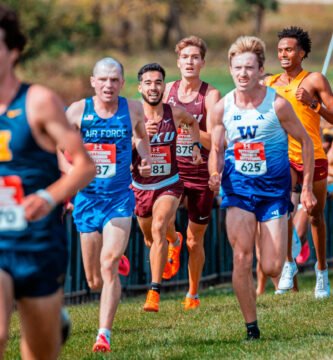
252, 8
57, 26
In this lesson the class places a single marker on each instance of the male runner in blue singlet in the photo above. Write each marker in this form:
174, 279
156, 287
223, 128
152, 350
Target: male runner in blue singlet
33, 247
256, 182
103, 210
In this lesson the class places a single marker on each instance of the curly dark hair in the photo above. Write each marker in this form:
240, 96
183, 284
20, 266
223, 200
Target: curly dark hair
302, 37
9, 23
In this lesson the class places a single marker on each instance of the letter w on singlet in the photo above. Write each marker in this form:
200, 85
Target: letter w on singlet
248, 131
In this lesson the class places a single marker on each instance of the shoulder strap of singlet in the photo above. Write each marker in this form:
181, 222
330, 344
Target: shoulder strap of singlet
167, 111
89, 105
203, 88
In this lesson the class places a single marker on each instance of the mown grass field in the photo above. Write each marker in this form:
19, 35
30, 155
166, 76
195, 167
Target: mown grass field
293, 326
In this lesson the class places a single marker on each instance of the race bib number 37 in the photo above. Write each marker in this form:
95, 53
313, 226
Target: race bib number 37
250, 159
104, 156
11, 211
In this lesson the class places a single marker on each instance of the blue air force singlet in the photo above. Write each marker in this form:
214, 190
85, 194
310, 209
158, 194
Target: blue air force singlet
256, 158
109, 143
24, 169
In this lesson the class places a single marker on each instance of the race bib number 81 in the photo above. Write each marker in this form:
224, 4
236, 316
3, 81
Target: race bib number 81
104, 156
161, 160
250, 158
12, 215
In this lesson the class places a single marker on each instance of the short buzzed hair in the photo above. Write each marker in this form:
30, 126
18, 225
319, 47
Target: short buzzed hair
302, 37
192, 41
249, 44
108, 62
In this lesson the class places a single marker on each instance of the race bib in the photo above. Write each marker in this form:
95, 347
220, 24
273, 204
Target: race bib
184, 143
250, 158
104, 156
161, 160
11, 211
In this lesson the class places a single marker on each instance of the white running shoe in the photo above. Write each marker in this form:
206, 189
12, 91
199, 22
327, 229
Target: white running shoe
287, 277
280, 292
322, 289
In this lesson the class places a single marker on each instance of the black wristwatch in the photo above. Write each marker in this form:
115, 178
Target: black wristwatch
197, 144
313, 104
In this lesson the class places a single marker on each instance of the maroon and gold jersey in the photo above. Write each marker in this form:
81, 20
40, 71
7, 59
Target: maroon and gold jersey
163, 154
193, 176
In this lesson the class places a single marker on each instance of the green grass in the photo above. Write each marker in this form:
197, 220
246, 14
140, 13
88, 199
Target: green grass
293, 326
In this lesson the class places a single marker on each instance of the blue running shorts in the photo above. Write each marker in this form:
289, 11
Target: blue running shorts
264, 208
35, 273
92, 213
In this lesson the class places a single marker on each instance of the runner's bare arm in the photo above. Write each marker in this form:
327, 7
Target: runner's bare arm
294, 127
216, 154
74, 115
211, 99
140, 136
46, 116
181, 116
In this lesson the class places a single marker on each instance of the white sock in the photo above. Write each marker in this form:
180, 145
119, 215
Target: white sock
106, 333
196, 296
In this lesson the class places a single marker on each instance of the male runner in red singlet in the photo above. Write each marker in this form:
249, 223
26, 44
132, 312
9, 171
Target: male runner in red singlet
198, 98
157, 197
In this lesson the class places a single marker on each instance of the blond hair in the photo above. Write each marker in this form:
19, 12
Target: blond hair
192, 41
250, 44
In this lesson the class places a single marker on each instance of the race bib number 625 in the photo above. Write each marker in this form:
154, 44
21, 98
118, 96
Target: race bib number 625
250, 158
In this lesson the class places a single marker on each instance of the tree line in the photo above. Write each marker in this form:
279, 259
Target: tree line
57, 26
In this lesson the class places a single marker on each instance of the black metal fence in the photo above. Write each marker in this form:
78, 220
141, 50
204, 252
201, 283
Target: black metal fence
218, 265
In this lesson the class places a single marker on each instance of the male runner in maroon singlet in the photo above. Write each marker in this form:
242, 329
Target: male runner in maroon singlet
157, 197
198, 98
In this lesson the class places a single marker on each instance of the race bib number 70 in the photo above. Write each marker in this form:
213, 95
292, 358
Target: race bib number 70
12, 215
104, 156
250, 158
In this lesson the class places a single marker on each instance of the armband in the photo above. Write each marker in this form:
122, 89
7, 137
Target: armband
214, 173
44, 194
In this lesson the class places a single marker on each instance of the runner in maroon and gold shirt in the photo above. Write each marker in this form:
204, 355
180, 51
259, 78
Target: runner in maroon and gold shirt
198, 98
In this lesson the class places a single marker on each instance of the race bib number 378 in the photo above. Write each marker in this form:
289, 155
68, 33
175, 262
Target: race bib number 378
250, 158
104, 156
11, 211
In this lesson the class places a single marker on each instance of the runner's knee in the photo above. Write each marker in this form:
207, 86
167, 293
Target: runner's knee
110, 265
272, 268
317, 218
94, 283
193, 245
243, 260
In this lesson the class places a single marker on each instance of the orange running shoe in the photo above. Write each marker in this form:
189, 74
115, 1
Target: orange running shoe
124, 266
101, 344
190, 304
152, 301
173, 262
